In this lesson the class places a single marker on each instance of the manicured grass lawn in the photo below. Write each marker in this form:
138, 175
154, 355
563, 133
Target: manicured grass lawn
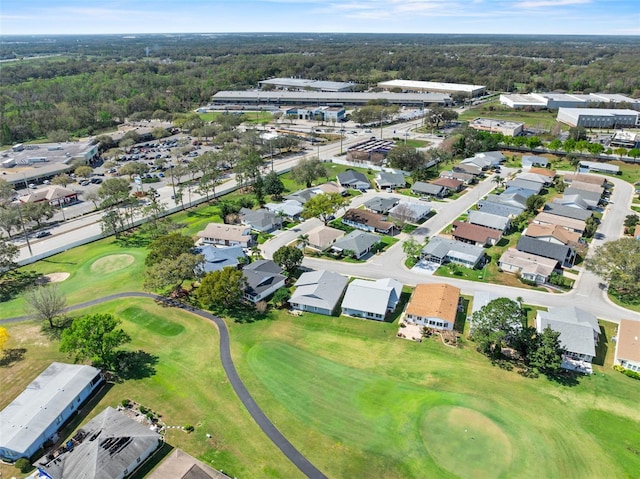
361, 403
188, 385
96, 269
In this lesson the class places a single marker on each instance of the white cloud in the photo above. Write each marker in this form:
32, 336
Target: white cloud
549, 3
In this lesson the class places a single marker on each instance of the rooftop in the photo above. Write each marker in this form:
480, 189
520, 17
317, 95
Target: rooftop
437, 300
426, 85
628, 343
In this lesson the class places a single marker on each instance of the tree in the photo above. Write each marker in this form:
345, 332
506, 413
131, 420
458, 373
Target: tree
273, 185
135, 168
307, 171
169, 274
534, 203
6, 192
631, 221
324, 206
495, 325
412, 248
113, 191
94, 337
618, 263
62, 180
83, 171
546, 356
9, 219
168, 247
221, 289
37, 212
578, 133
58, 136
302, 241
281, 296
92, 195
45, 302
590, 227
8, 255
405, 157
4, 337
288, 257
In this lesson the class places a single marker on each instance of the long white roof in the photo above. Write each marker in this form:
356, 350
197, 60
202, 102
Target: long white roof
427, 85
28, 416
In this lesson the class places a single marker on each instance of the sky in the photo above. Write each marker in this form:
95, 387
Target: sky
575, 17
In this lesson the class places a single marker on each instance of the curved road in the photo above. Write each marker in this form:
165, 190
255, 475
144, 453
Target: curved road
258, 416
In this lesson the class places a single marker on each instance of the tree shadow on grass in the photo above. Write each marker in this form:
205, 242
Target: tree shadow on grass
246, 314
601, 348
59, 325
11, 356
133, 240
135, 365
15, 282
565, 378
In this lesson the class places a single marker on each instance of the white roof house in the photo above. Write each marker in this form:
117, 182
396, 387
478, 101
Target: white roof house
480, 218
318, 292
371, 299
43, 407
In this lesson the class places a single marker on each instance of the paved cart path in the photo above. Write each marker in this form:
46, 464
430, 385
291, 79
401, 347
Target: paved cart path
272, 432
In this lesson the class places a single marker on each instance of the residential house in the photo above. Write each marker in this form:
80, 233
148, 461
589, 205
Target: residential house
636, 232
302, 196
475, 235
54, 195
512, 190
318, 292
628, 345
40, 411
499, 209
452, 185
428, 189
409, 212
585, 178
332, 187
514, 199
466, 178
544, 180
567, 211
530, 267
381, 204
261, 220
353, 179
591, 198
550, 174
323, 237
216, 258
180, 465
371, 299
480, 300
386, 180
553, 234
563, 254
264, 277
521, 184
442, 250
227, 235
434, 306
357, 243
598, 167
485, 160
290, 209
570, 224
480, 218
579, 332
572, 201
368, 221
579, 185
110, 446
469, 169
529, 161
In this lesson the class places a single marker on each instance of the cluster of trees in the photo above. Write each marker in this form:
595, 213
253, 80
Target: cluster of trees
618, 264
96, 83
171, 261
502, 323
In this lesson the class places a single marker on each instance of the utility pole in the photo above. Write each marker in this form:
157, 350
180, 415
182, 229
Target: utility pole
24, 230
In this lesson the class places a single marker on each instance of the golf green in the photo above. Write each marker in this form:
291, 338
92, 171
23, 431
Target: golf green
113, 262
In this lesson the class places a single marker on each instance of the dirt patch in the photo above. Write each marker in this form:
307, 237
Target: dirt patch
111, 263
52, 278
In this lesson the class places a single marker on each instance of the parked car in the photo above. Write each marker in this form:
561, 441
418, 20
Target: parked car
85, 183
42, 234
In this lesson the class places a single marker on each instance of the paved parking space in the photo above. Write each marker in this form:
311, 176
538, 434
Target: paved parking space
425, 267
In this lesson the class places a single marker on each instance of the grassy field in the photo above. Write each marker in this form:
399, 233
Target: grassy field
535, 119
182, 380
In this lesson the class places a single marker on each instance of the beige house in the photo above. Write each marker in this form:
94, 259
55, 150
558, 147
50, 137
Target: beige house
569, 224
55, 195
553, 234
628, 345
529, 266
434, 306
322, 237
227, 235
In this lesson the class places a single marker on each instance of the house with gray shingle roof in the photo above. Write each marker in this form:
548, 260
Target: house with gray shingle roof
261, 220
409, 212
522, 184
567, 211
386, 179
442, 250
264, 277
563, 254
318, 292
111, 445
288, 208
529, 161
358, 242
428, 189
354, 179
514, 199
381, 204
499, 209
591, 198
216, 258
579, 333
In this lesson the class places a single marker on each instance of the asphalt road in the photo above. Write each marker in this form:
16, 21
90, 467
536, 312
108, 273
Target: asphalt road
272, 432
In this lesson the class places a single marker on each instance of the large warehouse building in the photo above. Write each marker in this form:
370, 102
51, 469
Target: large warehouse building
598, 118
412, 86
278, 98
553, 101
304, 84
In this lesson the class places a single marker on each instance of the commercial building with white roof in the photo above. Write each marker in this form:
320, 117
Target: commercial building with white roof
599, 117
436, 87
37, 414
553, 101
306, 84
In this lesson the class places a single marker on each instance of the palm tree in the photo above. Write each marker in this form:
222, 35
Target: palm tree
303, 241
499, 180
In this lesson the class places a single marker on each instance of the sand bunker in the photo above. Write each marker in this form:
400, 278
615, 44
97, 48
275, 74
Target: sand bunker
111, 263
52, 278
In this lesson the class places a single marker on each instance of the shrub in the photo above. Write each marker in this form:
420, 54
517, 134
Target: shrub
189, 428
23, 465
126, 403
143, 410
261, 306
632, 374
